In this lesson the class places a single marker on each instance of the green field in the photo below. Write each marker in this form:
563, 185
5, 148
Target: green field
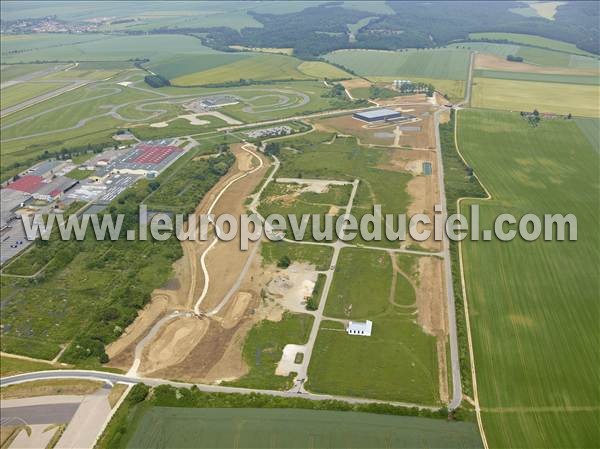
590, 127
97, 47
162, 427
263, 349
181, 65
453, 89
259, 67
178, 127
398, 354
10, 366
511, 95
319, 256
589, 80
10, 72
288, 199
529, 39
442, 64
21, 92
533, 305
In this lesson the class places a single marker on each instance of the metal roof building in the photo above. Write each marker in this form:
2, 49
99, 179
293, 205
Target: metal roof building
377, 115
358, 328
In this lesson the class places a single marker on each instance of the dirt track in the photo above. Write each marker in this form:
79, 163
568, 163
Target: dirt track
225, 263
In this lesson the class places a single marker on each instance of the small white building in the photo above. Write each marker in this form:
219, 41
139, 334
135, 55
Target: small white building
358, 328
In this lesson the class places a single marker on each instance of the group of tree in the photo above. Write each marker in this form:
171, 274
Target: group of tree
514, 58
156, 81
336, 91
272, 148
532, 117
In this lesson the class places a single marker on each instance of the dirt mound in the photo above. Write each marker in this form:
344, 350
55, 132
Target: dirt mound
173, 343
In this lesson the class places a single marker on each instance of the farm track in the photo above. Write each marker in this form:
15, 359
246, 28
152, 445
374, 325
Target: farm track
465, 299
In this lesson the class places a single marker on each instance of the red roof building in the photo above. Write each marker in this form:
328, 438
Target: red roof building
29, 184
153, 154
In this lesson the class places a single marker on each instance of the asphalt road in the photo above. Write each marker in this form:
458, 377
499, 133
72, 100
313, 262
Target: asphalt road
452, 333
39, 414
113, 378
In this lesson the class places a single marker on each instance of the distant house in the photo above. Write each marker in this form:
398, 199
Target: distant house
358, 328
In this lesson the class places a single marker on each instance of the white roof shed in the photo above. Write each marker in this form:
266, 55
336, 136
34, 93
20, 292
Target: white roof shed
359, 328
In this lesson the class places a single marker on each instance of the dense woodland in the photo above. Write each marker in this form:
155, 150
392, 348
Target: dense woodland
321, 29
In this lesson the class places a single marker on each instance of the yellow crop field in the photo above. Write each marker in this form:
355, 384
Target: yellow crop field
514, 95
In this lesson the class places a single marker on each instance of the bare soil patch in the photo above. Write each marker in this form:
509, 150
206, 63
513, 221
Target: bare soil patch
173, 343
430, 296
51, 387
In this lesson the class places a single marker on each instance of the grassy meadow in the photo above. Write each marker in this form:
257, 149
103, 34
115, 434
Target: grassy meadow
97, 47
511, 95
533, 305
399, 353
21, 92
319, 256
263, 349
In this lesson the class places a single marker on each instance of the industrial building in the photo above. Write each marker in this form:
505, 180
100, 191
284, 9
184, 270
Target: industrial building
378, 115
42, 189
10, 201
145, 159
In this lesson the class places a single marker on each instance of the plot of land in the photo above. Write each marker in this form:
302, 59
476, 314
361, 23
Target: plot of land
541, 77
263, 348
399, 354
21, 92
221, 428
259, 67
530, 39
97, 47
545, 97
320, 69
453, 89
532, 304
439, 64
181, 65
533, 55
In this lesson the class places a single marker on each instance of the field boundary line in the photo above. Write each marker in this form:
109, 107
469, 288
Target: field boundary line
464, 293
